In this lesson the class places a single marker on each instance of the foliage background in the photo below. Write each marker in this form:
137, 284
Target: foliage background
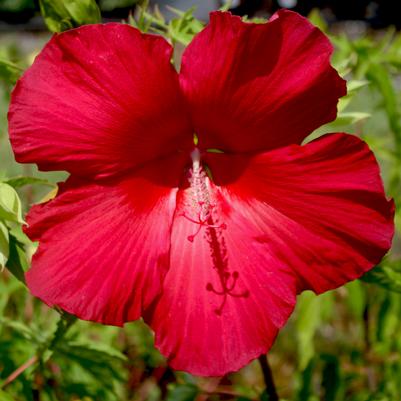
343, 345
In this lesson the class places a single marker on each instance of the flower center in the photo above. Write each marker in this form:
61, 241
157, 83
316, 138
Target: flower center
201, 202
206, 215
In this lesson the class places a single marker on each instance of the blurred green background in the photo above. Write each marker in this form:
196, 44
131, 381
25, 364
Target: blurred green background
343, 345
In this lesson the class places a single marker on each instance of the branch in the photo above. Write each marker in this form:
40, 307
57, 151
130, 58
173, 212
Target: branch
19, 371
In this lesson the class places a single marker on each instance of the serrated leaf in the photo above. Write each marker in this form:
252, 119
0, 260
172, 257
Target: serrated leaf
10, 204
17, 182
4, 245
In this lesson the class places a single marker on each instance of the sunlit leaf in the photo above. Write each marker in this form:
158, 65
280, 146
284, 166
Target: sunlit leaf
10, 204
4, 244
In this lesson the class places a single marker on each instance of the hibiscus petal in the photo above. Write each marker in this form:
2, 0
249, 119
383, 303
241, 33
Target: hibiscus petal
98, 100
323, 204
104, 249
301, 217
224, 297
255, 87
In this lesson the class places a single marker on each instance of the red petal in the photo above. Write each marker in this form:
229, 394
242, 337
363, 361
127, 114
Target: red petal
301, 217
98, 99
211, 334
104, 249
322, 204
255, 87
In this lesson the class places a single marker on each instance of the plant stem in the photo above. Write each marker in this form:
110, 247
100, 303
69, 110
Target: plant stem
268, 378
17, 372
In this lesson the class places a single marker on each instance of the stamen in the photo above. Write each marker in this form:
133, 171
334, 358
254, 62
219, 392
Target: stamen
205, 215
202, 223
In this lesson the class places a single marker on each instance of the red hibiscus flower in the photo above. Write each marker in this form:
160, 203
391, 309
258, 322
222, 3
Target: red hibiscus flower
209, 243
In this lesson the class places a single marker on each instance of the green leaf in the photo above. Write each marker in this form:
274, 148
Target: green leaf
185, 27
104, 350
102, 362
351, 117
4, 244
83, 11
397, 220
380, 77
353, 86
331, 380
9, 72
387, 275
17, 262
10, 204
182, 392
315, 17
17, 182
356, 298
305, 385
308, 320
5, 397
63, 325
60, 15
27, 332
227, 4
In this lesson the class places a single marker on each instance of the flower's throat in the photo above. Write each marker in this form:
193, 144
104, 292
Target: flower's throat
205, 214
201, 202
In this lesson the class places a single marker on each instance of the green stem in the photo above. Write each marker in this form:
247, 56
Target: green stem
11, 65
